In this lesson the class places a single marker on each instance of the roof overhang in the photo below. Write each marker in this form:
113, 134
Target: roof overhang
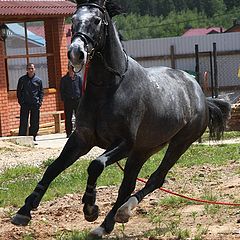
35, 8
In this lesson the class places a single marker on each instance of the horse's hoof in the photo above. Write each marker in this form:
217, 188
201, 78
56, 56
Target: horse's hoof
121, 217
124, 212
97, 233
92, 215
20, 220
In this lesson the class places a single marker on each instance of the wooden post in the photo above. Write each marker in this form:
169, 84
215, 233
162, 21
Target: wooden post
57, 121
215, 70
172, 51
211, 69
197, 72
197, 62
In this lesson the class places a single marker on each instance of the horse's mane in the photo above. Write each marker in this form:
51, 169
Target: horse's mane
112, 7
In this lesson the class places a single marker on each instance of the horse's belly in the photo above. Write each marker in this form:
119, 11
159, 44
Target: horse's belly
159, 132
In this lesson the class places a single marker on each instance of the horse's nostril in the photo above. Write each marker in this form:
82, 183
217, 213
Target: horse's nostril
75, 54
81, 55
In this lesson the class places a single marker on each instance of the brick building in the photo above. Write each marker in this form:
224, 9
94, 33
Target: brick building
18, 46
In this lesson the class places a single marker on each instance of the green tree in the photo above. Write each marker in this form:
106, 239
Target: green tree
165, 7
180, 5
230, 4
211, 7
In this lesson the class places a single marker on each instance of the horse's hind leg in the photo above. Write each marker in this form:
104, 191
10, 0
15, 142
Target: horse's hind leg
175, 149
133, 165
115, 153
73, 149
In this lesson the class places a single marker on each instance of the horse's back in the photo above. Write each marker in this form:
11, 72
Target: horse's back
166, 87
161, 78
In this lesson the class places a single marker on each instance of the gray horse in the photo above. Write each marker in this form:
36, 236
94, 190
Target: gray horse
130, 111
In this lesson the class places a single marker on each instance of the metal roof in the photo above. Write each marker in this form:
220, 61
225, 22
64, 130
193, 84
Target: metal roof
39, 30
19, 31
202, 31
36, 7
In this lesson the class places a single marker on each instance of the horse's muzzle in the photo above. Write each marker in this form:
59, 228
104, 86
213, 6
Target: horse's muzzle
76, 55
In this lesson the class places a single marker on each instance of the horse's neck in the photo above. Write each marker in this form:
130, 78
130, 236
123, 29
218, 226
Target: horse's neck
114, 51
111, 58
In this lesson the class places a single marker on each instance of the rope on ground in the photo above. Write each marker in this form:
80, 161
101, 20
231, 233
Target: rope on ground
186, 197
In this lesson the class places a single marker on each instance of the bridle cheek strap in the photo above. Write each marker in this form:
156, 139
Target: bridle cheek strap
84, 83
85, 76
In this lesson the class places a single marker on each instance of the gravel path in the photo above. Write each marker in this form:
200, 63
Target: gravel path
50, 147
12, 155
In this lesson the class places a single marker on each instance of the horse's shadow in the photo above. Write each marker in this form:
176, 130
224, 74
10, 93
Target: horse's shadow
151, 233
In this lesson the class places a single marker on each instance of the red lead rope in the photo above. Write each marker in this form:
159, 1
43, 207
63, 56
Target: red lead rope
188, 198
84, 84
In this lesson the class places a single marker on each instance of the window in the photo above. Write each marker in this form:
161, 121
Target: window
26, 43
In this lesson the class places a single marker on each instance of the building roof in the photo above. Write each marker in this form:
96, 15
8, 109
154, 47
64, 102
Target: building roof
234, 28
36, 7
202, 31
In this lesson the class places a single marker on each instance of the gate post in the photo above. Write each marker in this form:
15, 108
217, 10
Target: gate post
216, 88
173, 64
197, 62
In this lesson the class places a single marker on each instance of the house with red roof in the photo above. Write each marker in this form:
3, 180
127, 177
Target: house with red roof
202, 31
235, 27
212, 30
32, 31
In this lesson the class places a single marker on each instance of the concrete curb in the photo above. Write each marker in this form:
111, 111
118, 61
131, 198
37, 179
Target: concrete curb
19, 140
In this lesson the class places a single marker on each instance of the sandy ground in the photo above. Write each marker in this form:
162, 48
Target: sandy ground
165, 222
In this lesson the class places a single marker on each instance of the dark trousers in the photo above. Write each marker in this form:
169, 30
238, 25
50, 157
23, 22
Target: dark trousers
34, 112
70, 106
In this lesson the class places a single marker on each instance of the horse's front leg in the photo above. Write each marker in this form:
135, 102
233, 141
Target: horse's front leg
96, 167
74, 148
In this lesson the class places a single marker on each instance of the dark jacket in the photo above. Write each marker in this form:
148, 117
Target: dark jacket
70, 89
30, 90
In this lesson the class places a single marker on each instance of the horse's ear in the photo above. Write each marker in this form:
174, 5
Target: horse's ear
98, 2
113, 8
79, 2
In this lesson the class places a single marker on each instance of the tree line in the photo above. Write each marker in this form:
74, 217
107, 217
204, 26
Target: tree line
167, 18
164, 7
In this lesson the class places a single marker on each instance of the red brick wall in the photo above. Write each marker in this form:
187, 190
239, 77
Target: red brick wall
4, 108
49, 104
56, 43
57, 67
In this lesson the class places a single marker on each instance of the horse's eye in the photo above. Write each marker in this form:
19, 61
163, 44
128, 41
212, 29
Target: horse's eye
97, 21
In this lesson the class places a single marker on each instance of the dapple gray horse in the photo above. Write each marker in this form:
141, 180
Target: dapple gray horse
130, 111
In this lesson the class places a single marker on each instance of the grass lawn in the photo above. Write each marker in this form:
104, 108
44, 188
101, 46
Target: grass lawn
16, 183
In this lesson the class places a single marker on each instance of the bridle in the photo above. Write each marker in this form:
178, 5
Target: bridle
86, 38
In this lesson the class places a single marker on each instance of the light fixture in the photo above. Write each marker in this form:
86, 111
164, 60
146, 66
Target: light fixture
3, 32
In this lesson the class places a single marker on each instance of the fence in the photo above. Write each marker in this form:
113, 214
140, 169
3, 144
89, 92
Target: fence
179, 52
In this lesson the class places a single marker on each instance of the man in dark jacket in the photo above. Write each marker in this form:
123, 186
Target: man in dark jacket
30, 97
70, 89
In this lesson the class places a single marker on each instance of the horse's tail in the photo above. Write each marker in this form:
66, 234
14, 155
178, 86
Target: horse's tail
219, 113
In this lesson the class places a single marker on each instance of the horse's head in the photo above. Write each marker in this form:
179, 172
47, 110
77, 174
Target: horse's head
89, 24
